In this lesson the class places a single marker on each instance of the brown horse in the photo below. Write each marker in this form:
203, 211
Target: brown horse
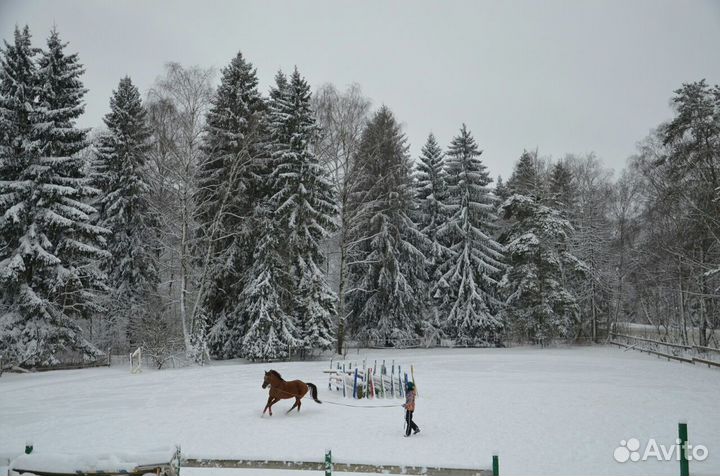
280, 389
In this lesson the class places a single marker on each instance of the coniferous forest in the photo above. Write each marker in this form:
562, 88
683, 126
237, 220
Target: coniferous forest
210, 218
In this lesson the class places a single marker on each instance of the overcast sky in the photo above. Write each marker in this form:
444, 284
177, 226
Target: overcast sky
562, 76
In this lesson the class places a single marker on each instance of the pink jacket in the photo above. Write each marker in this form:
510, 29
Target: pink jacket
410, 401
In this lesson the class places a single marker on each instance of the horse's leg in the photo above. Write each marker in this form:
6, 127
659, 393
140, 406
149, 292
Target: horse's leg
274, 401
267, 405
297, 402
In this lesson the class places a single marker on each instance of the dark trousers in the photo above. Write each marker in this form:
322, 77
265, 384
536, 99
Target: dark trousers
409, 423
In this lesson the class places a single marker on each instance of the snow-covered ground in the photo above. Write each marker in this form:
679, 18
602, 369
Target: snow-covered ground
555, 411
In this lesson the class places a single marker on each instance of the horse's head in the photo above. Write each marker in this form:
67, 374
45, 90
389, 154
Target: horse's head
270, 377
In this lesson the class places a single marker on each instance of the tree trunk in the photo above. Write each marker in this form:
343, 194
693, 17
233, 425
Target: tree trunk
343, 282
594, 313
703, 314
683, 319
184, 281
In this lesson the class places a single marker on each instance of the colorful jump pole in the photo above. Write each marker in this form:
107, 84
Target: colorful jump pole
412, 373
383, 371
370, 382
392, 381
355, 383
400, 387
343, 381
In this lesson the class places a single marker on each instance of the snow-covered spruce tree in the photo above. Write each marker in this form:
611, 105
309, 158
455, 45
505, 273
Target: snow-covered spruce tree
562, 193
539, 305
47, 244
271, 332
387, 269
501, 190
125, 211
527, 178
468, 283
229, 189
303, 211
431, 214
61, 100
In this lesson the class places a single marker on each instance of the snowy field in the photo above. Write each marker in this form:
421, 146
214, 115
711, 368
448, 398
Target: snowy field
552, 412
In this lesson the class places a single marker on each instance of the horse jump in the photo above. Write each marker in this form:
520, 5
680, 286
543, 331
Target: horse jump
280, 390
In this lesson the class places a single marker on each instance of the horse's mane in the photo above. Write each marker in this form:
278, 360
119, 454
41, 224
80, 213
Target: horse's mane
275, 373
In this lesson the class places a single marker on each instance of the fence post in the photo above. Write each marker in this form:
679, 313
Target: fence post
178, 459
400, 387
344, 381
382, 381
355, 383
28, 447
328, 463
683, 435
392, 380
496, 465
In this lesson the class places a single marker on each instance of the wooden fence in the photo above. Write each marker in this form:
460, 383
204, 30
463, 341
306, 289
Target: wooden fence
690, 354
329, 466
666, 333
172, 464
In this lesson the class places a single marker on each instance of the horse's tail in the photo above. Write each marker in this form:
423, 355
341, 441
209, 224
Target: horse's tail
314, 391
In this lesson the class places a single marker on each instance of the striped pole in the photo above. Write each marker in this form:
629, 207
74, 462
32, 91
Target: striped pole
392, 381
401, 390
355, 383
412, 373
398, 387
383, 371
344, 377
368, 375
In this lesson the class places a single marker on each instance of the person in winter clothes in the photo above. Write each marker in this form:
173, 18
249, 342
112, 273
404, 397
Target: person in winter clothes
409, 409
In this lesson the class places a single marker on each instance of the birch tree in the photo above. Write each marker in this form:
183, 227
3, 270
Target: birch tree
341, 118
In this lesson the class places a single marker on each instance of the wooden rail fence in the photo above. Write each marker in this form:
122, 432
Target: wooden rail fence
678, 352
336, 467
